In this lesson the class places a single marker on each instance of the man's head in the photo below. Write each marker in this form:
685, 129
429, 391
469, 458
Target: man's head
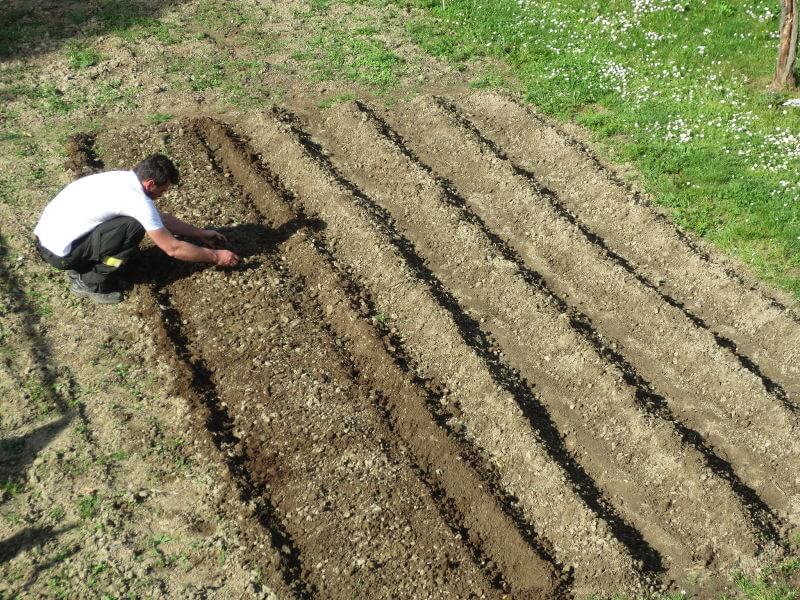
156, 174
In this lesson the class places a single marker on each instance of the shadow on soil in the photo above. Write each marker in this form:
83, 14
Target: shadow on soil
247, 240
27, 539
26, 24
43, 393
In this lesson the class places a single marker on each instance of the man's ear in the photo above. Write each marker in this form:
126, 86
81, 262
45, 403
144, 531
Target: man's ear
148, 185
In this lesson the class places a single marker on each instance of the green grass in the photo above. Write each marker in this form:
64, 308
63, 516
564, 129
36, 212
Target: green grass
131, 21
488, 81
41, 396
772, 584
337, 99
356, 58
52, 99
40, 303
60, 587
88, 506
237, 80
56, 514
9, 190
109, 92
82, 57
10, 488
19, 27
679, 93
231, 16
158, 118
353, 53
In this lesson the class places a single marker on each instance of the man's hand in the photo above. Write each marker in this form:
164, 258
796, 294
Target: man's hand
226, 258
181, 250
211, 237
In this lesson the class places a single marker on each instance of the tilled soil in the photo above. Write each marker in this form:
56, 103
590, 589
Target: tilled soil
460, 358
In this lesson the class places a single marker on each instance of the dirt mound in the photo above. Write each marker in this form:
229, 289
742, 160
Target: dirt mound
460, 358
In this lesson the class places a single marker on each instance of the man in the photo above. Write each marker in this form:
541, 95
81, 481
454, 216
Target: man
93, 227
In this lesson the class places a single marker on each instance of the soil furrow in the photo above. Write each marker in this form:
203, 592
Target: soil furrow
485, 347
454, 487
647, 398
196, 381
360, 518
457, 251
677, 363
735, 307
193, 381
558, 207
449, 346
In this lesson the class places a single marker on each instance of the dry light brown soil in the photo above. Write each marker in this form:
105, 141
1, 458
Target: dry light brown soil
460, 358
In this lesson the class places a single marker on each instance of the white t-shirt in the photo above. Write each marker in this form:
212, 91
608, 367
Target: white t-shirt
89, 201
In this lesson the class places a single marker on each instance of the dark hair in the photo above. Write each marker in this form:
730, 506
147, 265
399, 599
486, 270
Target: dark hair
158, 168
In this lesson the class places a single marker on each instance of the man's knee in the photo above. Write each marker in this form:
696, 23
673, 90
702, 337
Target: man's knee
111, 243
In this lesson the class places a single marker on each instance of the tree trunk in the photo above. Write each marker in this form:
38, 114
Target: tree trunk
787, 49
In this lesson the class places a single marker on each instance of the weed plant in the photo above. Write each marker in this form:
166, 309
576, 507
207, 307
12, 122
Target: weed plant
678, 88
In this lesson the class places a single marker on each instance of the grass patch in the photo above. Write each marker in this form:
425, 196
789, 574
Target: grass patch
88, 506
56, 514
357, 56
40, 395
110, 92
337, 99
357, 59
487, 81
678, 90
10, 488
320, 6
133, 22
238, 81
52, 99
60, 587
82, 57
772, 584
39, 302
112, 459
159, 118
9, 190
21, 28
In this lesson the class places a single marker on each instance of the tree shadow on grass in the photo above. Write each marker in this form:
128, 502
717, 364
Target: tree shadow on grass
17, 452
26, 24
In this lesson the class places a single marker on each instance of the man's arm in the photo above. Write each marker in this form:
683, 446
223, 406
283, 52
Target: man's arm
178, 227
181, 250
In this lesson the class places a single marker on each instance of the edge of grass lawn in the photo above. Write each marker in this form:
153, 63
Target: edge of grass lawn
678, 90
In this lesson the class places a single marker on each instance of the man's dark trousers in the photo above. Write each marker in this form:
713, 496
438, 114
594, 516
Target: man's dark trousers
101, 254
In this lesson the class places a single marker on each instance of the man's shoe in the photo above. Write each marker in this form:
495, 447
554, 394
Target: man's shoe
82, 291
72, 275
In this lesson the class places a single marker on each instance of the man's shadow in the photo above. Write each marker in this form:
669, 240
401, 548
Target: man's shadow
246, 240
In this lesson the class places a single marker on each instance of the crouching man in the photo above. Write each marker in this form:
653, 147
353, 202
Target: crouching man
93, 227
